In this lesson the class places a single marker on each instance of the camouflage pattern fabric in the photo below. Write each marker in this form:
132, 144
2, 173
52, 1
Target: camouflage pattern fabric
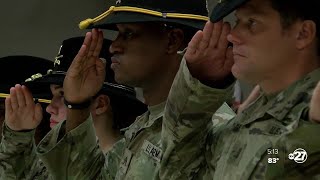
77, 155
25, 151
241, 147
18, 159
306, 137
189, 115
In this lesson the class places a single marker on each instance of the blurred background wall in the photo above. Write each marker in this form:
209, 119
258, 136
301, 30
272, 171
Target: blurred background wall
37, 27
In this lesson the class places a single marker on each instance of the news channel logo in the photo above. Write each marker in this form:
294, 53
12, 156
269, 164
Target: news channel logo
299, 155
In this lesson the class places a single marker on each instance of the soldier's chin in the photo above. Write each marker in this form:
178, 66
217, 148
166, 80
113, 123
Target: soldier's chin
241, 74
120, 78
236, 71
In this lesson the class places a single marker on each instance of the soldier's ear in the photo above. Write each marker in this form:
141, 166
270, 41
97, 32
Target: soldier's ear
176, 39
305, 34
101, 104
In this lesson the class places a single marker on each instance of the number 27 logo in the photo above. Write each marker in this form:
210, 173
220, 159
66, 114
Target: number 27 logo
299, 155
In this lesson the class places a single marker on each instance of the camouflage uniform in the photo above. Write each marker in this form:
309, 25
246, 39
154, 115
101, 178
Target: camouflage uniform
237, 149
187, 119
18, 159
136, 156
77, 155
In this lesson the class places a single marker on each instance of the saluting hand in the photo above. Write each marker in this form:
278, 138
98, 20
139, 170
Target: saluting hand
314, 112
208, 55
86, 74
21, 113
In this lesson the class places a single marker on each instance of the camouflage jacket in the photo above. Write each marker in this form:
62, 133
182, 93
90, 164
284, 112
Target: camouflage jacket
271, 127
188, 116
18, 159
76, 155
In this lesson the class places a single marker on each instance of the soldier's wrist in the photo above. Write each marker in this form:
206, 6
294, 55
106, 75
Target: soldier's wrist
78, 105
24, 135
220, 84
17, 129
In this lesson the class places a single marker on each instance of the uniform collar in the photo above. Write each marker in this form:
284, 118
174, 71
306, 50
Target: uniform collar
155, 112
278, 105
298, 92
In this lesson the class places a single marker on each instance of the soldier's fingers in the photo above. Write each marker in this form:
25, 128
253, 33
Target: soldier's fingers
216, 32
207, 31
8, 109
28, 96
223, 41
193, 45
100, 70
98, 49
81, 57
20, 96
94, 40
87, 42
75, 67
14, 100
38, 113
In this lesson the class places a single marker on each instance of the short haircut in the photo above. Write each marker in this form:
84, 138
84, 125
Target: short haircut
292, 10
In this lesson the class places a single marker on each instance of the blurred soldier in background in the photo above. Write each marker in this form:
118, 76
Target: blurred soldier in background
114, 107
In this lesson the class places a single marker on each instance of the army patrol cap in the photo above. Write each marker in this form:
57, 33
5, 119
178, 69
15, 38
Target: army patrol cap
306, 10
191, 13
15, 69
224, 8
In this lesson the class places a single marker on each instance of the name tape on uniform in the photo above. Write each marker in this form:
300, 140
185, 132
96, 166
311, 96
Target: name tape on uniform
152, 150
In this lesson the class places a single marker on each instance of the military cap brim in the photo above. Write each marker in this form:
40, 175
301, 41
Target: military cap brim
191, 14
124, 95
48, 79
119, 92
42, 85
132, 17
16, 69
57, 79
224, 8
42, 93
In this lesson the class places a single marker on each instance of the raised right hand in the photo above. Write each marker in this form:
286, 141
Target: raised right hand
208, 55
21, 113
86, 74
